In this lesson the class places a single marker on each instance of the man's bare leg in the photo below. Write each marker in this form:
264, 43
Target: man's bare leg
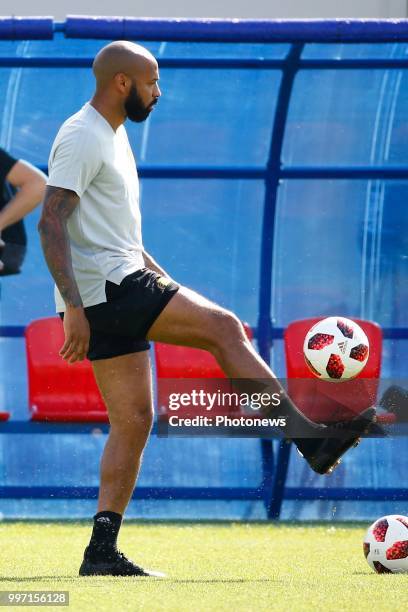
126, 387
125, 384
191, 320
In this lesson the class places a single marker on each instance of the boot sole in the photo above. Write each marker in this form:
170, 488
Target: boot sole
88, 569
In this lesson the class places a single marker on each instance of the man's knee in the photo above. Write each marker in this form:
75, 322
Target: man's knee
226, 330
132, 422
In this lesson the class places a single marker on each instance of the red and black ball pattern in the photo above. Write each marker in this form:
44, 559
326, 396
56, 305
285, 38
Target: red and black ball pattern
380, 568
335, 366
320, 341
366, 548
359, 352
402, 520
345, 329
380, 530
399, 550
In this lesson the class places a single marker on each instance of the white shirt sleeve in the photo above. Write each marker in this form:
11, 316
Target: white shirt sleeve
75, 160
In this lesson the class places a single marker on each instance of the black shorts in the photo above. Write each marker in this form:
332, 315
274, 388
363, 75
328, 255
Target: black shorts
119, 326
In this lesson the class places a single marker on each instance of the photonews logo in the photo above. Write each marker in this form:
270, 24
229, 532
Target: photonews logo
221, 407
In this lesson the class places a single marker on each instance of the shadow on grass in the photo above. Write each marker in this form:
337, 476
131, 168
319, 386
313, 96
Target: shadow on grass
221, 580
35, 578
372, 573
85, 580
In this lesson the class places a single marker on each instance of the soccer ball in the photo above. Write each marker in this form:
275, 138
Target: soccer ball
336, 349
386, 545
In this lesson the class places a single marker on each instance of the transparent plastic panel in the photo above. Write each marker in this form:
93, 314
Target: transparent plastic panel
224, 50
64, 47
187, 127
28, 295
208, 235
59, 47
375, 463
347, 118
210, 117
37, 102
340, 248
70, 47
355, 51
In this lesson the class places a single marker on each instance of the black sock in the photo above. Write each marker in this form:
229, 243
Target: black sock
104, 534
301, 430
297, 423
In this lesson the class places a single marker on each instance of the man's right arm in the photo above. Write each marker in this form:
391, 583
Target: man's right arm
59, 204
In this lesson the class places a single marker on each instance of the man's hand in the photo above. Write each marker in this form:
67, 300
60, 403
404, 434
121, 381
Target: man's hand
77, 335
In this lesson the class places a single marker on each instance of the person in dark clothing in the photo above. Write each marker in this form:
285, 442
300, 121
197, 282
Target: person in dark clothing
22, 188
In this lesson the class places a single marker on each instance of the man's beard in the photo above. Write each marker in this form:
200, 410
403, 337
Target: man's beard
135, 109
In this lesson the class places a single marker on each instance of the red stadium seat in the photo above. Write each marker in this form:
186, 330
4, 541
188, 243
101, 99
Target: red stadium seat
324, 401
180, 362
4, 416
58, 391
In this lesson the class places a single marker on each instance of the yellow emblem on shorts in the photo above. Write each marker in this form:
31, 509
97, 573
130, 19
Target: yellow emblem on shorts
163, 282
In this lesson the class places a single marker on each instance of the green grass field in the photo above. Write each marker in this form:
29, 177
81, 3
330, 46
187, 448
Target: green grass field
208, 566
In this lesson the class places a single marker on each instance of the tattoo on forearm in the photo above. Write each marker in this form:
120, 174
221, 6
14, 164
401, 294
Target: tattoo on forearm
58, 206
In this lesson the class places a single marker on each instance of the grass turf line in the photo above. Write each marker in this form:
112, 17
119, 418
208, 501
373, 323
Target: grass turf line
209, 567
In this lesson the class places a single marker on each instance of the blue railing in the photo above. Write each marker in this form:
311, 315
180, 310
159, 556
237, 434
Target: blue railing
207, 30
272, 489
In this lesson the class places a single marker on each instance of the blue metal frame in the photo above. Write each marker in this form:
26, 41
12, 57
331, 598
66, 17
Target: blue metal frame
69, 492
258, 173
207, 30
235, 30
211, 493
277, 479
214, 63
22, 28
272, 489
276, 333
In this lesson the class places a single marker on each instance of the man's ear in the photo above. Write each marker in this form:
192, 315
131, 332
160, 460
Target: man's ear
122, 82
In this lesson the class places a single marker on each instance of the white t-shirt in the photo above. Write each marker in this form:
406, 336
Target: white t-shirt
104, 230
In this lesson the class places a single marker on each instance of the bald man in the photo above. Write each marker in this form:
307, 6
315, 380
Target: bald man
114, 298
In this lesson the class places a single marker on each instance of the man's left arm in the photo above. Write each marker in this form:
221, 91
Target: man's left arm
30, 185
